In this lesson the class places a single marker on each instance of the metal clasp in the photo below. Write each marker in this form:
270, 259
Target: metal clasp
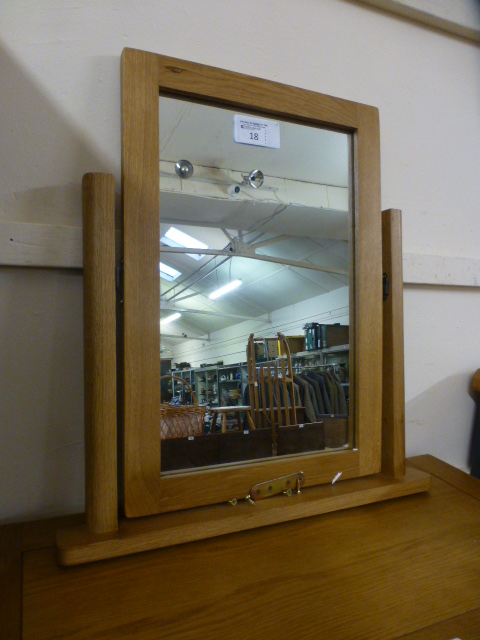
285, 484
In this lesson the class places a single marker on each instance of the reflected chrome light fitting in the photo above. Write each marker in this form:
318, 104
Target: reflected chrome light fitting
176, 238
172, 318
168, 273
255, 179
184, 169
226, 289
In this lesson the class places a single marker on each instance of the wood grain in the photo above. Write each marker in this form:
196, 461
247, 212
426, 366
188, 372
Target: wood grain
368, 291
39, 534
144, 76
465, 627
374, 573
452, 475
220, 484
211, 84
10, 582
141, 251
78, 545
101, 499
393, 394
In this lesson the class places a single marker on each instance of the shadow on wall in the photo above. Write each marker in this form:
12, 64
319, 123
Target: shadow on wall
44, 155
41, 395
42, 161
434, 425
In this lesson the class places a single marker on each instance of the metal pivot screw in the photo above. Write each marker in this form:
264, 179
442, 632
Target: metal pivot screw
249, 499
184, 169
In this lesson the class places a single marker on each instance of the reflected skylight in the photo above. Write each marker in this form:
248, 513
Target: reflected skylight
176, 238
168, 273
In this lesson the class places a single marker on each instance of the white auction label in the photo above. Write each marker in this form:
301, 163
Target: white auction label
256, 131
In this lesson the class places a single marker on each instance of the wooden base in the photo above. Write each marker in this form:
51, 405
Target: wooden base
78, 546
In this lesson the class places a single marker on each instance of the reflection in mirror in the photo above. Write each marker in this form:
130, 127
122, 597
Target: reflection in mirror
256, 282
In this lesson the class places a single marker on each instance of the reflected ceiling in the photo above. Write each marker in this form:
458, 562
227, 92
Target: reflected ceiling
289, 217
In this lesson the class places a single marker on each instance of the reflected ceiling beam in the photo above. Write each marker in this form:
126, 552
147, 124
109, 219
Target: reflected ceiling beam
217, 315
214, 182
189, 222
252, 241
184, 280
265, 243
311, 282
199, 279
250, 253
257, 245
190, 295
309, 254
234, 294
237, 294
229, 237
258, 226
184, 337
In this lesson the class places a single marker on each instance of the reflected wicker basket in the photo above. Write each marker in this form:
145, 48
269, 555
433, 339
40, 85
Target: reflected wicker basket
183, 420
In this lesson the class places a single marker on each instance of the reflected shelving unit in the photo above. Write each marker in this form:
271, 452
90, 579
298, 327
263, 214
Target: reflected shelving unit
212, 385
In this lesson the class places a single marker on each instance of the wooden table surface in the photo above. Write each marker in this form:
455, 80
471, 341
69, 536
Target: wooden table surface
406, 568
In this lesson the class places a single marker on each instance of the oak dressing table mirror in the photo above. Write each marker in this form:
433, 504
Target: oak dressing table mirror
294, 216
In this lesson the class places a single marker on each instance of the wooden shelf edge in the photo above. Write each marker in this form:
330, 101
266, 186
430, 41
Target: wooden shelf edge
446, 472
78, 546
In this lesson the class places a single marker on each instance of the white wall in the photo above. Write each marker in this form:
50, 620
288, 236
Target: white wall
60, 111
461, 17
41, 392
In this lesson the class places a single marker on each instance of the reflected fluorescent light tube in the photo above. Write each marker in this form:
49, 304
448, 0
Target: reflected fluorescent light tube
176, 238
226, 289
172, 318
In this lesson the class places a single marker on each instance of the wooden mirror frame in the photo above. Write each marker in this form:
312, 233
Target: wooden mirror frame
372, 471
144, 77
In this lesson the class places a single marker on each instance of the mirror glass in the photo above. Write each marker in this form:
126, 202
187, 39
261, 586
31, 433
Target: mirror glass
256, 285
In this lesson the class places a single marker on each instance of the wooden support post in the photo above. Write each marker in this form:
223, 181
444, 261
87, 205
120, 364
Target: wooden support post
263, 387
393, 403
101, 501
252, 380
277, 392
270, 397
292, 415
285, 392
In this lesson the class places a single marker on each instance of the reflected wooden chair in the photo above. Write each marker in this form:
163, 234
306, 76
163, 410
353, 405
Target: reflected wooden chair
274, 379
